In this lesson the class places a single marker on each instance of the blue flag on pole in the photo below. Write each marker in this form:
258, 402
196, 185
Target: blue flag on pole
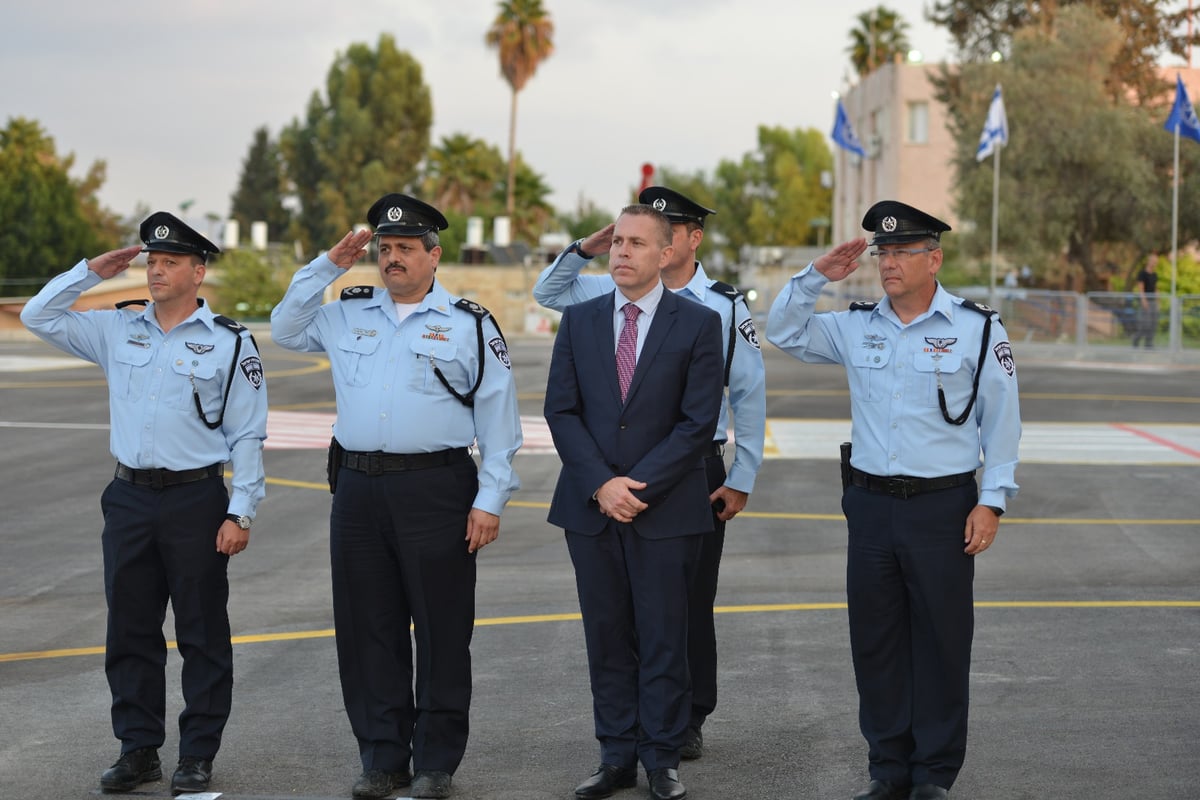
995, 129
1182, 114
843, 133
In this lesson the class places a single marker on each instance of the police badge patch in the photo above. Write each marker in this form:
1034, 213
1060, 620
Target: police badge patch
1004, 355
252, 369
501, 350
748, 333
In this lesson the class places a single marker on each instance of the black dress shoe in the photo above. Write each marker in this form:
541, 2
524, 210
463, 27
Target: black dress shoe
665, 785
605, 780
192, 775
693, 745
378, 783
430, 783
928, 791
132, 768
883, 790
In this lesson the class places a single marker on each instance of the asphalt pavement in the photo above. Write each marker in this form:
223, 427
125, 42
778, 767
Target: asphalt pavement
1087, 645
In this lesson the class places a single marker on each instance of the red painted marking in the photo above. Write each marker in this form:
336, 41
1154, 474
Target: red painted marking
1150, 437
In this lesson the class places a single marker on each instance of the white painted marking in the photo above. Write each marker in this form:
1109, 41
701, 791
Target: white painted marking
33, 364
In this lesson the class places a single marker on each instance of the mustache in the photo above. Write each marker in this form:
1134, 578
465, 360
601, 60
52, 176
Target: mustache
395, 265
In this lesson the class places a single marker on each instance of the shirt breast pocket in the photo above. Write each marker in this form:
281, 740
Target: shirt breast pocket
430, 353
870, 377
356, 358
199, 377
956, 383
130, 371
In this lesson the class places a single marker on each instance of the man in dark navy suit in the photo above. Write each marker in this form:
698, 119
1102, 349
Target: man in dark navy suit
632, 401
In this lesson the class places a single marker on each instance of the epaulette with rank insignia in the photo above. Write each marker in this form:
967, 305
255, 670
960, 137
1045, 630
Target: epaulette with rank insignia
125, 303
860, 305
357, 292
732, 292
987, 311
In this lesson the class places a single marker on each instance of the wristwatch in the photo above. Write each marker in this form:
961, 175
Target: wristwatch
578, 248
999, 512
242, 521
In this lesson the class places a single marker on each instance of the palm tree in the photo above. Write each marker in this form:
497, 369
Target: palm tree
881, 36
523, 34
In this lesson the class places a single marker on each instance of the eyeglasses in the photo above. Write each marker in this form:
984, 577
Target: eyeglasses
901, 255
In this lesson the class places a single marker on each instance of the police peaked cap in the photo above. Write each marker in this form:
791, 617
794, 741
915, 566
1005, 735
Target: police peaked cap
401, 215
163, 232
675, 206
894, 222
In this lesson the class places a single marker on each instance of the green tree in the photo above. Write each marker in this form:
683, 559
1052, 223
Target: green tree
249, 284
1148, 28
259, 196
1085, 178
49, 217
533, 211
462, 173
523, 33
366, 137
774, 194
585, 219
880, 36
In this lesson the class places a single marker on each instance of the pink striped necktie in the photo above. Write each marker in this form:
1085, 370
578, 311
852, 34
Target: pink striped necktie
627, 348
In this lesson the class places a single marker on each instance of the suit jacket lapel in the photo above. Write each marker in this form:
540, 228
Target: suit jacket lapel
606, 345
664, 319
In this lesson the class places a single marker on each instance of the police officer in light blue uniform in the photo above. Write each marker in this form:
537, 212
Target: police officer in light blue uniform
561, 285
420, 376
186, 395
932, 384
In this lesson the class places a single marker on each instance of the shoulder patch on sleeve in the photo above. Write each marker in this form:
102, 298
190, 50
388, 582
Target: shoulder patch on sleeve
253, 370
862, 306
746, 329
125, 303
1004, 355
357, 292
500, 349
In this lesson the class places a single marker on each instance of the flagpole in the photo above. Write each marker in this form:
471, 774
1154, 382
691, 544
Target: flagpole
995, 220
1175, 216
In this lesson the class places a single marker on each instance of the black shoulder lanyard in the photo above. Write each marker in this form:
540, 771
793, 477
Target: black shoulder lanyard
983, 349
237, 329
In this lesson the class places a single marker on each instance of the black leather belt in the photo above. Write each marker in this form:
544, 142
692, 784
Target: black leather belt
377, 463
903, 486
159, 478
717, 450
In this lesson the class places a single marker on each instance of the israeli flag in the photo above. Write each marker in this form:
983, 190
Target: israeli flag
995, 130
843, 134
1182, 114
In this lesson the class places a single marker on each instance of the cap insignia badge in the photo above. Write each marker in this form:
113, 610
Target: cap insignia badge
162, 232
660, 205
394, 213
888, 224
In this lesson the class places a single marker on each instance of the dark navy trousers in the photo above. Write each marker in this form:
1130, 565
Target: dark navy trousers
160, 545
910, 596
398, 552
702, 633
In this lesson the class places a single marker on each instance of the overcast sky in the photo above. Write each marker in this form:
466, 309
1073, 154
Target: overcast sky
170, 93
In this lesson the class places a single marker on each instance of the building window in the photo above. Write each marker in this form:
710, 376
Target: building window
918, 123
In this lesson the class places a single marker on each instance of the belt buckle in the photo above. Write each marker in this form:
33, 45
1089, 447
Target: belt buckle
156, 478
903, 488
374, 464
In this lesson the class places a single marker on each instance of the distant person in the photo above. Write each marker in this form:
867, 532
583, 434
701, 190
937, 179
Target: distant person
932, 384
420, 377
186, 395
560, 285
1147, 303
632, 401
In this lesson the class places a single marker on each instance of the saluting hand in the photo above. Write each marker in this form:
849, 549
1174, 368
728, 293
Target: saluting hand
842, 260
114, 262
346, 253
599, 242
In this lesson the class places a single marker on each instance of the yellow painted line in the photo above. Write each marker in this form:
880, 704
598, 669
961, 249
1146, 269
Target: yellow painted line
327, 633
1127, 398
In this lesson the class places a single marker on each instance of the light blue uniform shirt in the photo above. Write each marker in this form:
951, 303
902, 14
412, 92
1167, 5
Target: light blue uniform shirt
897, 427
560, 285
388, 397
150, 378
